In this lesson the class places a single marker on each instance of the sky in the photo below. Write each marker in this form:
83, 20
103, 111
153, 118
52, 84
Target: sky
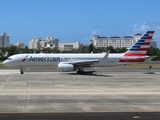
71, 21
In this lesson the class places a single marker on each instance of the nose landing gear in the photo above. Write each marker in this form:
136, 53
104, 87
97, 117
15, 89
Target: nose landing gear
21, 70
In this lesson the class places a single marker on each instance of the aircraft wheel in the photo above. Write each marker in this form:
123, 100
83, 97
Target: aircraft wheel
81, 72
21, 72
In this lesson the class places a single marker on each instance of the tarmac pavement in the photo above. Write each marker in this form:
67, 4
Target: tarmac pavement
105, 91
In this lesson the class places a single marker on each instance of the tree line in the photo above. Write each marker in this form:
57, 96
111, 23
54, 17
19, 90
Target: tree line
8, 51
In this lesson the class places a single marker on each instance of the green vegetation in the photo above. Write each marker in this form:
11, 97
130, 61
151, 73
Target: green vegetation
154, 52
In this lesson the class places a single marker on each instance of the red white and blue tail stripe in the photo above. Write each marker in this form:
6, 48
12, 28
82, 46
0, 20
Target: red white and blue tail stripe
138, 51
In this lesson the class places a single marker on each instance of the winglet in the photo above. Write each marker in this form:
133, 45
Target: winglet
106, 55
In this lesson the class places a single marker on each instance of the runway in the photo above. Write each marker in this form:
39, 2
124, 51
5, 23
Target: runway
105, 91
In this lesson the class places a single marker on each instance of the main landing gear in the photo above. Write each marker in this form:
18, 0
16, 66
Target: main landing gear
80, 70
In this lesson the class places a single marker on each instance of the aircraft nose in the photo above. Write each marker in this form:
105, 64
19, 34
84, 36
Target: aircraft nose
4, 63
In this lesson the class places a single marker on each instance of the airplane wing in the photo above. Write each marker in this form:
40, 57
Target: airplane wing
84, 62
89, 62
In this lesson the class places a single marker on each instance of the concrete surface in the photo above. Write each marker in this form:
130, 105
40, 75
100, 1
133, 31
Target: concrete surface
55, 92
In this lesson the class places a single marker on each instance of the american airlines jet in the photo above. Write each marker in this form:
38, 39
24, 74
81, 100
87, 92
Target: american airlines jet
71, 62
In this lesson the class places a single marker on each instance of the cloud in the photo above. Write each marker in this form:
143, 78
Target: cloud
143, 27
94, 32
148, 26
90, 36
135, 26
158, 27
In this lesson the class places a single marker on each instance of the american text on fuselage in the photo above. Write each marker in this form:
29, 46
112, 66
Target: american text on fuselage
43, 59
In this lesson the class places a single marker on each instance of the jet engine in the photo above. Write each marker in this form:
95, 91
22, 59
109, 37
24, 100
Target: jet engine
65, 67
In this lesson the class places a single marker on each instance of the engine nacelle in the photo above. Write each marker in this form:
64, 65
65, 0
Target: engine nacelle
65, 67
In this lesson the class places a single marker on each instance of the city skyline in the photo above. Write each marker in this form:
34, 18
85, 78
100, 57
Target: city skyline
49, 40
73, 20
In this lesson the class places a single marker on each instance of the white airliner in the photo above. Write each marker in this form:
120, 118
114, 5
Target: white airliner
71, 62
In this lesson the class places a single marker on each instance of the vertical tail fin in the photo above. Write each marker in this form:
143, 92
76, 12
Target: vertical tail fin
141, 46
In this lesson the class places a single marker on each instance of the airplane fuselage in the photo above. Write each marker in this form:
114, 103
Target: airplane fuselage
55, 59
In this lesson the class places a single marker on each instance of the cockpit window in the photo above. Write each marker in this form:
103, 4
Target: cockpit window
9, 58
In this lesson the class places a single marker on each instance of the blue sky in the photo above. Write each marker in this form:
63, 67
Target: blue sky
77, 20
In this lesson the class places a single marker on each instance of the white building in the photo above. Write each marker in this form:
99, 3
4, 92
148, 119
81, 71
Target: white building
51, 42
116, 41
69, 46
39, 43
153, 43
4, 40
35, 43
20, 45
31, 44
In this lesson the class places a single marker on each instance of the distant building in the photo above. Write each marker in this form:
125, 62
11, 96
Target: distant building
116, 41
39, 43
35, 43
69, 46
4, 40
91, 42
153, 43
51, 42
20, 45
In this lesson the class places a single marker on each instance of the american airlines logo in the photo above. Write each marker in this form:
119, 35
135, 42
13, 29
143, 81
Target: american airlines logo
43, 59
24, 59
